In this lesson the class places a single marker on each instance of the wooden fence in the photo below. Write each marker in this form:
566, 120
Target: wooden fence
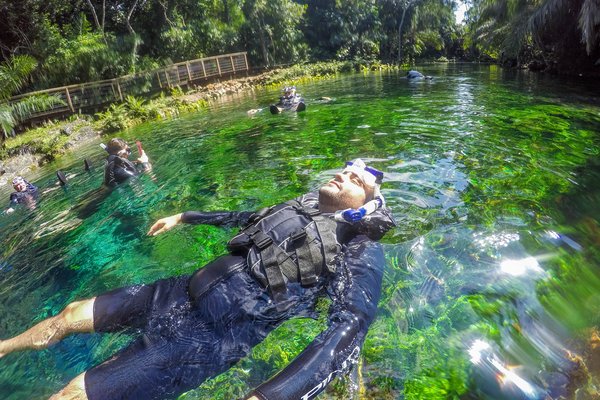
95, 95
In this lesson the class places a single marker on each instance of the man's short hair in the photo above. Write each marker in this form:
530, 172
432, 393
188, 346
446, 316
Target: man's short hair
116, 145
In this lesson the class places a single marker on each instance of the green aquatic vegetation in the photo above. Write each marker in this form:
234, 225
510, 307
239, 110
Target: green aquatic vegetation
270, 356
466, 167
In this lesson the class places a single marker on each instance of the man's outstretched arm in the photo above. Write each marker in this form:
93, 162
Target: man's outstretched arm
218, 218
336, 349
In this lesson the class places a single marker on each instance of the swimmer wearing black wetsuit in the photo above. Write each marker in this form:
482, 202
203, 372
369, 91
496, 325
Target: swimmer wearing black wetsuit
196, 327
25, 194
118, 166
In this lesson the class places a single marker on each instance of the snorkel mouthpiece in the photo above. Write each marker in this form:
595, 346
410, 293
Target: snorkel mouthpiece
370, 177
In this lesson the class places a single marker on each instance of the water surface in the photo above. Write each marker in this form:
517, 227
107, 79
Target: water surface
491, 290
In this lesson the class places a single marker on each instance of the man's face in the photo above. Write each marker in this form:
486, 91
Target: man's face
345, 190
20, 186
125, 152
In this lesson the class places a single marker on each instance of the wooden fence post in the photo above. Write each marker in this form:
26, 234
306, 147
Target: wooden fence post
69, 100
159, 81
119, 90
232, 64
203, 68
168, 79
218, 65
187, 67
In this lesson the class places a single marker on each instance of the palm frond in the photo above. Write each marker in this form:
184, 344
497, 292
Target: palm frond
14, 73
7, 121
589, 19
519, 31
540, 17
33, 104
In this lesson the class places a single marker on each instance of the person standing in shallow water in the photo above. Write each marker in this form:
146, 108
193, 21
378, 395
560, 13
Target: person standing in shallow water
195, 327
118, 167
25, 194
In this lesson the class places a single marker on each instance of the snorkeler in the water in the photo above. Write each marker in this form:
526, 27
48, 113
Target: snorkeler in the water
195, 327
25, 194
118, 166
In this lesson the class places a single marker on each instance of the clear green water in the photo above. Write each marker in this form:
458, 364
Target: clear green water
492, 176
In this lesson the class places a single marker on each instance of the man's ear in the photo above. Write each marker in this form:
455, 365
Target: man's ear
370, 193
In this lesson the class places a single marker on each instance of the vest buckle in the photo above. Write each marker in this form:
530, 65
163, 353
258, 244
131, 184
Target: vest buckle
298, 234
261, 240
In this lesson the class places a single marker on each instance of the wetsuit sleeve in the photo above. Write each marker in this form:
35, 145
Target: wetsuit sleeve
218, 218
336, 349
120, 174
14, 199
33, 190
376, 225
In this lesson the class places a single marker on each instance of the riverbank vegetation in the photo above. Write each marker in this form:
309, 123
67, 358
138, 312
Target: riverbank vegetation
559, 36
82, 41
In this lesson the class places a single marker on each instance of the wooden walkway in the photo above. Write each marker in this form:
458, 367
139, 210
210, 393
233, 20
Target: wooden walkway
94, 95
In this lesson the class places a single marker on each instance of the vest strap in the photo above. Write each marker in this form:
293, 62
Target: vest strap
310, 260
277, 263
327, 229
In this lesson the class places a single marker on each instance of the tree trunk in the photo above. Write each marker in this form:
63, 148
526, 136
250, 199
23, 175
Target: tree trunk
226, 15
263, 43
132, 32
400, 26
103, 14
96, 21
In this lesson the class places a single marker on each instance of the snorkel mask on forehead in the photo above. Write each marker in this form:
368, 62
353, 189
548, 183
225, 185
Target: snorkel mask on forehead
17, 180
370, 177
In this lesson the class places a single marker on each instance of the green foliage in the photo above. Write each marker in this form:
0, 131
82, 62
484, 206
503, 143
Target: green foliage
47, 141
322, 70
526, 30
272, 31
342, 30
79, 55
135, 110
13, 76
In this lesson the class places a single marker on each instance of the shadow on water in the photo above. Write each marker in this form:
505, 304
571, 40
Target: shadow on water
491, 289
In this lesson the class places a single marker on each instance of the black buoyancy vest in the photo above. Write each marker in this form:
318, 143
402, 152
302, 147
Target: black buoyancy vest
288, 243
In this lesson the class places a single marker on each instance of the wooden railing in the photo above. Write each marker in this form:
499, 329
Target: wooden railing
94, 95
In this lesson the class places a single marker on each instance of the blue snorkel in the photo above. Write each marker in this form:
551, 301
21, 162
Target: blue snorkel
371, 177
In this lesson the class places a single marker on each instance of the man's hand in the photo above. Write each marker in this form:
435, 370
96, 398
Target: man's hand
9, 210
252, 398
164, 224
143, 158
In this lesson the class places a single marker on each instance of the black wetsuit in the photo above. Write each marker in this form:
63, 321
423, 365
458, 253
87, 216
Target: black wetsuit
194, 328
119, 169
27, 197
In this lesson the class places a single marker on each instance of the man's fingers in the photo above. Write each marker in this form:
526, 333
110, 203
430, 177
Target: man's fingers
158, 232
156, 228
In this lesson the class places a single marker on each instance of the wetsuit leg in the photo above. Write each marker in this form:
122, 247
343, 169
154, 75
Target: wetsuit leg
131, 307
191, 343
